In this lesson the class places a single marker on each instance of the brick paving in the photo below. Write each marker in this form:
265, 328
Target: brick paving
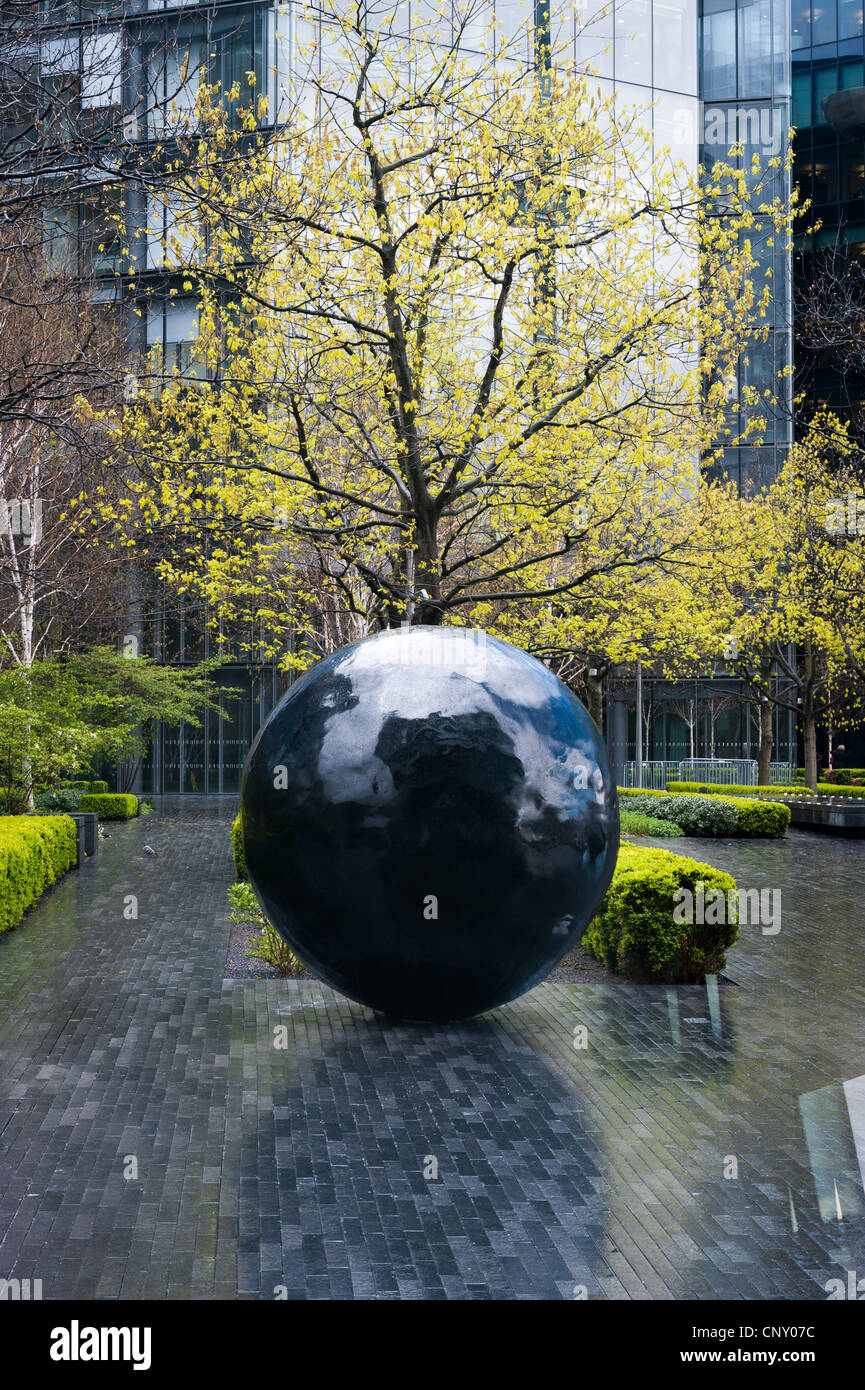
157, 1142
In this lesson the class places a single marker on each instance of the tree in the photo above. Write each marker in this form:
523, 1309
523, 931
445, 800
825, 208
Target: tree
451, 320
798, 591
124, 697
54, 346
59, 717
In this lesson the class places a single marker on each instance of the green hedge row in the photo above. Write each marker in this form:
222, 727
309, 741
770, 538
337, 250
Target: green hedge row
112, 805
34, 852
637, 931
709, 812
721, 789
237, 849
758, 817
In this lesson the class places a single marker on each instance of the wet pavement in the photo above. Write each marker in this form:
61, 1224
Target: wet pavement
167, 1133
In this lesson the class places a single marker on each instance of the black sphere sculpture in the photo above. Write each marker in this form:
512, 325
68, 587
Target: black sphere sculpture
429, 821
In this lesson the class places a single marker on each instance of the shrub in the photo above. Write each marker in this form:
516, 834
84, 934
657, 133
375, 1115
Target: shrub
271, 947
237, 849
695, 815
755, 815
112, 805
639, 791
759, 817
60, 799
634, 823
728, 789
79, 786
635, 931
99, 788
34, 852
774, 793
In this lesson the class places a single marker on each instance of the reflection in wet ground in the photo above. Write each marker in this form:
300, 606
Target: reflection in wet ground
612, 1140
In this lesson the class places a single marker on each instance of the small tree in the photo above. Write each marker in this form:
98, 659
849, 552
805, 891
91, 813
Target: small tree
453, 312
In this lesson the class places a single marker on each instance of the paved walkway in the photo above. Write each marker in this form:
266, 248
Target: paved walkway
156, 1143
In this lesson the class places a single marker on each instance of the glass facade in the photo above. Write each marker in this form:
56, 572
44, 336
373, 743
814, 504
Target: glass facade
746, 90
829, 169
704, 74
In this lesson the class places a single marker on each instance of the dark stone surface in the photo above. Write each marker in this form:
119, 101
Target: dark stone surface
303, 1166
430, 821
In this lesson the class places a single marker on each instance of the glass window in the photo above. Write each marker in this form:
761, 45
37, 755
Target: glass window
562, 33
800, 24
825, 83
849, 19
101, 69
755, 49
823, 27
719, 50
676, 123
430, 19
801, 114
172, 328
60, 240
850, 74
633, 41
101, 237
170, 238
594, 49
172, 89
471, 20
780, 49
175, 322
674, 38
852, 172
826, 176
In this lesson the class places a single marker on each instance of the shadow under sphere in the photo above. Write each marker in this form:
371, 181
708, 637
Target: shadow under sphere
429, 821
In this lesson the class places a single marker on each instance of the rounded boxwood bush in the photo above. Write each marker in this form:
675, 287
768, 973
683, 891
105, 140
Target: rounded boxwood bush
237, 849
99, 788
636, 931
112, 805
757, 817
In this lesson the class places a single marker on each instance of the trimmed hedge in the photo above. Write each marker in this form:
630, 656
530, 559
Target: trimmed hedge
79, 786
237, 849
721, 789
99, 788
635, 823
112, 806
635, 931
34, 852
753, 815
759, 817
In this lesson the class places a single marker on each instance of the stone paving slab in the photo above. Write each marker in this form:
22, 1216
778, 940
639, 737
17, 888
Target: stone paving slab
166, 1133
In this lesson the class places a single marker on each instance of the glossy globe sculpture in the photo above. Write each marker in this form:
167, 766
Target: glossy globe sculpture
429, 821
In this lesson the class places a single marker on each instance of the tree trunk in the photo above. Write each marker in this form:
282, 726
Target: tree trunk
809, 720
595, 698
764, 752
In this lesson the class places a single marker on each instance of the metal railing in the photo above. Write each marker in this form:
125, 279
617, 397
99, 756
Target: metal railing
724, 771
